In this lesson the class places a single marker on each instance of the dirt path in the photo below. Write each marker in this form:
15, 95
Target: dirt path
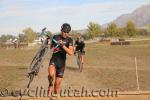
124, 97
72, 76
73, 79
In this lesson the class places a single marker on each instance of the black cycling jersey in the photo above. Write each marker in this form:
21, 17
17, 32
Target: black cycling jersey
59, 51
59, 55
79, 45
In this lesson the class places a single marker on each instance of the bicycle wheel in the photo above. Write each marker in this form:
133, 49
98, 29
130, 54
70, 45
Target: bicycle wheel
78, 61
35, 59
80, 64
38, 58
81, 67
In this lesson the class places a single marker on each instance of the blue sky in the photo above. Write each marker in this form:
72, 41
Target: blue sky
19, 14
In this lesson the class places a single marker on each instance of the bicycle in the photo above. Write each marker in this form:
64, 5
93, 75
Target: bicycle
79, 62
37, 61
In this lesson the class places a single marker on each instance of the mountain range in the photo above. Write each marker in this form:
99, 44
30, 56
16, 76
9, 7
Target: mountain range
140, 17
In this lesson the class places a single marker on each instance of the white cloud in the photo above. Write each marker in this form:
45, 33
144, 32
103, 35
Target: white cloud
53, 16
88, 9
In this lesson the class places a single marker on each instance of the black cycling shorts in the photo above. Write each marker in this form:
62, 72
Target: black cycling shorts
80, 50
59, 66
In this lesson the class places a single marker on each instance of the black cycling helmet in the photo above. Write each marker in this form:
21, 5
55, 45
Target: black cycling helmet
66, 28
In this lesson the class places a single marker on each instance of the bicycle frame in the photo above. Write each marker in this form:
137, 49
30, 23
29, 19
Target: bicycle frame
37, 61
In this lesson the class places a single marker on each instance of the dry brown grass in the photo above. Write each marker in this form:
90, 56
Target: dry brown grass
105, 67
13, 66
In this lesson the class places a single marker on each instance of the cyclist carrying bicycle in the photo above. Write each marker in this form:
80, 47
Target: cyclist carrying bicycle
62, 44
79, 46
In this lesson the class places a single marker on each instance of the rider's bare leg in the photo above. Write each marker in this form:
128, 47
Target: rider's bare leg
57, 85
82, 59
51, 71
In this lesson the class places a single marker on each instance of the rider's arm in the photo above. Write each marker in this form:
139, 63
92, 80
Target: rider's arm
69, 49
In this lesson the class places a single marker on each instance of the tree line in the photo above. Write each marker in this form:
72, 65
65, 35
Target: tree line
28, 35
112, 30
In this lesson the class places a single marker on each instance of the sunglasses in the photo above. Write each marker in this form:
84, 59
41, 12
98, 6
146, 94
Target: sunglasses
65, 31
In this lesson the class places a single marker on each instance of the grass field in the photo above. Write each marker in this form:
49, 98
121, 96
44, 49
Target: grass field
107, 66
115, 65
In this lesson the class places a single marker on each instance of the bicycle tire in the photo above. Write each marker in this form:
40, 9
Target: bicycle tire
78, 60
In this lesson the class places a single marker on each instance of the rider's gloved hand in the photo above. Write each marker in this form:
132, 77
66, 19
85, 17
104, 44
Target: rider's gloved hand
61, 43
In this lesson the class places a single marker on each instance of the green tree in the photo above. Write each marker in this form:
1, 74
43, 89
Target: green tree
112, 30
131, 29
94, 30
4, 38
22, 38
29, 34
122, 32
